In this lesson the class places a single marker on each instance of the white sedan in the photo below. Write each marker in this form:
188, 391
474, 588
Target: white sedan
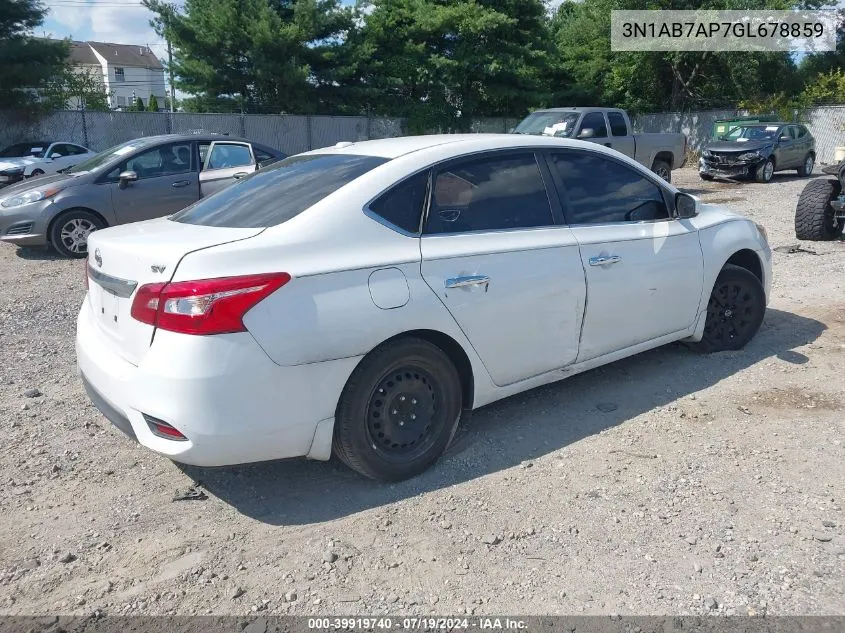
357, 299
39, 158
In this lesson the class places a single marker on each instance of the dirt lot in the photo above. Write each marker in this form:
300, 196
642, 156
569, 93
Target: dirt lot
702, 483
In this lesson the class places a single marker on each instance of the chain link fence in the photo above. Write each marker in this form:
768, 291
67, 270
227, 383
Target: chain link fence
298, 133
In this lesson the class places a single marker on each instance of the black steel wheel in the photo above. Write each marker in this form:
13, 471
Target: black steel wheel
399, 410
734, 312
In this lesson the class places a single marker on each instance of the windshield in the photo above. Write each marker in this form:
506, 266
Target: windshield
752, 133
279, 192
20, 150
99, 160
560, 124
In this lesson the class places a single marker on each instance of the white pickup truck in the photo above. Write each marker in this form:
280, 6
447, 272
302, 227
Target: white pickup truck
661, 152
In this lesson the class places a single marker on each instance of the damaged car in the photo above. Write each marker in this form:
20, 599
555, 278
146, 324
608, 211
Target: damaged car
757, 151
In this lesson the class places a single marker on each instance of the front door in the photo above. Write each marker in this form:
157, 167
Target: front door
512, 280
224, 163
644, 269
167, 182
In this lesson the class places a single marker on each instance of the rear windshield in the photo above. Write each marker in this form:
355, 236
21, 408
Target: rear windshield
278, 192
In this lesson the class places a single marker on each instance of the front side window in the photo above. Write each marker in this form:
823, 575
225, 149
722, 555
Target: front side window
492, 193
402, 205
598, 190
618, 127
61, 149
226, 155
278, 192
595, 121
164, 160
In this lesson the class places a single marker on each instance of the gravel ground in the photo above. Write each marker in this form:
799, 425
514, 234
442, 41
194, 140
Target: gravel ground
710, 484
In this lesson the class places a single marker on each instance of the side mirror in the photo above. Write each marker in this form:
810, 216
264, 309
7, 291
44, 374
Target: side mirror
685, 206
55, 155
785, 137
127, 177
587, 132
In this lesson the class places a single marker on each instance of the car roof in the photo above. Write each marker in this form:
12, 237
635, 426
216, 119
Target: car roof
205, 136
764, 124
460, 143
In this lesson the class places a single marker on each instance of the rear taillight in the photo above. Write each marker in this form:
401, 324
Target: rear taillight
205, 306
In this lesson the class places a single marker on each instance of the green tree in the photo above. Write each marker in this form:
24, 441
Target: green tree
443, 63
152, 104
253, 55
75, 88
648, 81
28, 63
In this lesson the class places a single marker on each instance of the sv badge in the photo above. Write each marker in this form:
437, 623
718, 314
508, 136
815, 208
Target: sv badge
157, 268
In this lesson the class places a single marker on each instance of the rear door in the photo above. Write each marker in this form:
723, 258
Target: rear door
511, 278
644, 268
225, 162
621, 138
167, 182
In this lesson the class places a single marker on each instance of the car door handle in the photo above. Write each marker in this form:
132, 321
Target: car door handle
240, 174
608, 145
468, 280
604, 260
180, 183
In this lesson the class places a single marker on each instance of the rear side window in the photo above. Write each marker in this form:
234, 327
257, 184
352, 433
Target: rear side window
279, 192
617, 124
494, 193
402, 205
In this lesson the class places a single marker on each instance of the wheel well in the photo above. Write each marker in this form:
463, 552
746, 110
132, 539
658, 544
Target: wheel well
666, 157
66, 211
749, 260
455, 353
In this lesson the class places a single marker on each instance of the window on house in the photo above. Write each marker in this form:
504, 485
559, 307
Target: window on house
121, 102
119, 74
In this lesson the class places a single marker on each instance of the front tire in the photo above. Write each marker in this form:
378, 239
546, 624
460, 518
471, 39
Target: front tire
734, 312
398, 411
69, 232
814, 216
662, 169
806, 168
35, 173
765, 171
706, 177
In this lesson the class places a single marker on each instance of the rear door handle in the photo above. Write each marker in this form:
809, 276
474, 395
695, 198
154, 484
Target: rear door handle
604, 260
467, 281
240, 174
180, 183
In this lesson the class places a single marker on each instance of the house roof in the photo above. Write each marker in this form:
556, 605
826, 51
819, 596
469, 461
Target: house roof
81, 53
115, 54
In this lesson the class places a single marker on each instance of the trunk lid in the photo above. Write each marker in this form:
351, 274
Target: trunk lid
124, 258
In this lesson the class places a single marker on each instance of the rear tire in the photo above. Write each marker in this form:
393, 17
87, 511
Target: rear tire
814, 219
765, 171
662, 169
806, 168
734, 312
398, 411
69, 232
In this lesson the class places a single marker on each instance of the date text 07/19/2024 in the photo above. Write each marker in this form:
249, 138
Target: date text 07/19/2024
412, 623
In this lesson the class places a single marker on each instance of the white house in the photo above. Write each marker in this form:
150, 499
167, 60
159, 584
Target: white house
128, 71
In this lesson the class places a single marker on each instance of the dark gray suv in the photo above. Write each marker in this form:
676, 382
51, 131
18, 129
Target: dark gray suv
141, 179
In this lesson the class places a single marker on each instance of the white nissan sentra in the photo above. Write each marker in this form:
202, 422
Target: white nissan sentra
357, 299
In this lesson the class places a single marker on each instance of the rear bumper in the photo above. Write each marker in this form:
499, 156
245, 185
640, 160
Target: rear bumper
222, 392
